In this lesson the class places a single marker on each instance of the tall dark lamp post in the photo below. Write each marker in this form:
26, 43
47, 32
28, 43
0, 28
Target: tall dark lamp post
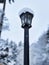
1, 18
26, 16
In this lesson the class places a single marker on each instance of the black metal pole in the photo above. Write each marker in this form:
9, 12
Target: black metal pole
26, 46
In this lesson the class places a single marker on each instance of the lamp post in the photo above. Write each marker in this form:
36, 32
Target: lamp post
2, 15
26, 16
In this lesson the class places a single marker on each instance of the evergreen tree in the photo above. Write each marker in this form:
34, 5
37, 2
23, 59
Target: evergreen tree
8, 52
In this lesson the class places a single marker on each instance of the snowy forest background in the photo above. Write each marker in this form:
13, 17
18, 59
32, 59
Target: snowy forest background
12, 54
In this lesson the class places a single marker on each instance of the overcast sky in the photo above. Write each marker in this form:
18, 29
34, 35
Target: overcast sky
39, 23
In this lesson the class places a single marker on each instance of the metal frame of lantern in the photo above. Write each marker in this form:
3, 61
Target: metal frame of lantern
26, 19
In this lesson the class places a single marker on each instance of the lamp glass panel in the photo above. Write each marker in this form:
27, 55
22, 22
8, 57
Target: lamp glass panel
29, 19
22, 20
26, 20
